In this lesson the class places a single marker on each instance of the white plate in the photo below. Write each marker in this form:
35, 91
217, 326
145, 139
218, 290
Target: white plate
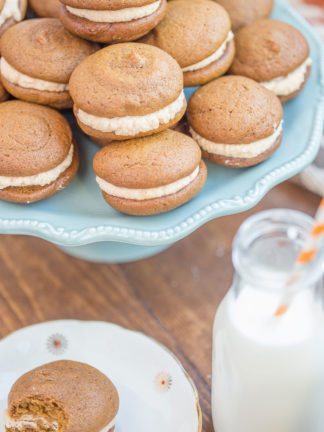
156, 393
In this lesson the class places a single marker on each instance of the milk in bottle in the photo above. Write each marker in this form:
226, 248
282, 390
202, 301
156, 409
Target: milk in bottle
268, 371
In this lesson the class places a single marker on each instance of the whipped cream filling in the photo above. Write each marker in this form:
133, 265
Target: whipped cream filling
115, 16
133, 125
285, 85
10, 9
25, 81
147, 194
212, 58
41, 179
30, 422
242, 151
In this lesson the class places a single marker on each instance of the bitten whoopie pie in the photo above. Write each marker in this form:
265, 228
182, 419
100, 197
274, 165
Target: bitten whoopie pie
202, 55
37, 155
63, 396
11, 12
46, 8
150, 175
236, 121
113, 20
127, 90
38, 57
275, 54
244, 12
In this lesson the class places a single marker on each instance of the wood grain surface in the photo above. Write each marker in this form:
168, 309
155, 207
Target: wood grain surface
172, 297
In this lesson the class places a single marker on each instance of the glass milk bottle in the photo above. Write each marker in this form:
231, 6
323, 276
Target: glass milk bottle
268, 371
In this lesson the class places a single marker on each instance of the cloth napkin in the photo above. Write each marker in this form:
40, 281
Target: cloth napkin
313, 176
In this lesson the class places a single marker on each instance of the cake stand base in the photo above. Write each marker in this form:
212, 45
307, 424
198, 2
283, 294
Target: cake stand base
112, 252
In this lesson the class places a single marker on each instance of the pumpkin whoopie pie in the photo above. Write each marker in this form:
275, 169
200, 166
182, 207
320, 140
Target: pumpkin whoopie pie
63, 396
127, 90
113, 20
244, 12
236, 121
11, 12
38, 57
150, 175
38, 157
202, 55
275, 54
46, 8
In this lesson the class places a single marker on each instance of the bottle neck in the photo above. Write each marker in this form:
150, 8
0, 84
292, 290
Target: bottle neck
265, 252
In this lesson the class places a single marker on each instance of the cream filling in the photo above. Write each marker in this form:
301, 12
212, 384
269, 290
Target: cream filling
10, 9
41, 179
25, 81
30, 422
243, 151
212, 58
115, 16
147, 194
285, 85
133, 125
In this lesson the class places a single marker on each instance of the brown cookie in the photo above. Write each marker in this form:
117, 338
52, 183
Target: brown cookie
202, 55
37, 154
38, 58
127, 90
244, 12
47, 8
63, 396
275, 54
151, 175
235, 121
11, 12
111, 21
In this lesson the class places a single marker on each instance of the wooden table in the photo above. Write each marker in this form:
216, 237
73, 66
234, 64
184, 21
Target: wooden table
172, 297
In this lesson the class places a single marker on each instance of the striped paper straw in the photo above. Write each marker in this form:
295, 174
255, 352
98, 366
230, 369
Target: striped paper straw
306, 256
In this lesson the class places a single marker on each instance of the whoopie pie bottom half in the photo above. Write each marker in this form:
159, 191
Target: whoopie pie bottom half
73, 19
151, 175
38, 156
63, 395
237, 122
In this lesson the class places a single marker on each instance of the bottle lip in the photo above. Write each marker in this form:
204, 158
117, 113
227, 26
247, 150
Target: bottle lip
295, 221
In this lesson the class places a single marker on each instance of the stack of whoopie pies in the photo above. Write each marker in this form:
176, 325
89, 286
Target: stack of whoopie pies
123, 65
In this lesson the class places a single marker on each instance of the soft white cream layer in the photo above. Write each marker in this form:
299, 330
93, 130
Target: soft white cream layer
10, 9
25, 81
242, 151
41, 179
133, 125
116, 16
147, 194
30, 422
212, 58
285, 85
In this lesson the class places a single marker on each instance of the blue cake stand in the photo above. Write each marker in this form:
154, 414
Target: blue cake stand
80, 222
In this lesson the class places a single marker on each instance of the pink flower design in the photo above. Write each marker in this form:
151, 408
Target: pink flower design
163, 382
57, 344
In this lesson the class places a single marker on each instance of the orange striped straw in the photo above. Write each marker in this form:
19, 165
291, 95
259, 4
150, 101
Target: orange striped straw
306, 256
